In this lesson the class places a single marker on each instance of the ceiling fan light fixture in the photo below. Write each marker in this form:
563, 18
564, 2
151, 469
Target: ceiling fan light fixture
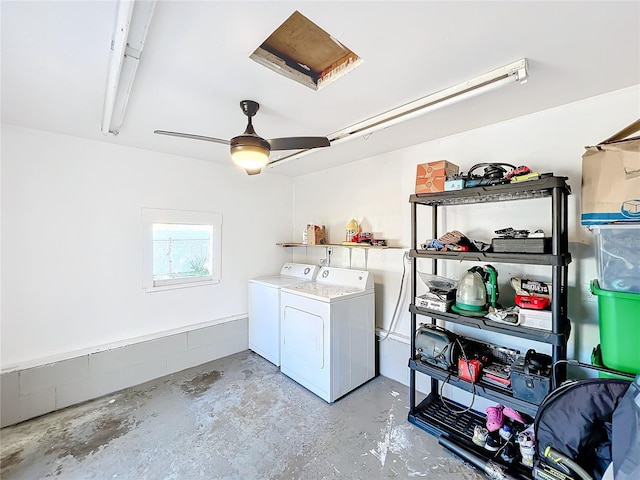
250, 157
250, 151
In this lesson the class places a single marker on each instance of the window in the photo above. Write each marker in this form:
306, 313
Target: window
181, 248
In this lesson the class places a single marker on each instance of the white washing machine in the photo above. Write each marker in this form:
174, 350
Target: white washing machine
264, 308
328, 332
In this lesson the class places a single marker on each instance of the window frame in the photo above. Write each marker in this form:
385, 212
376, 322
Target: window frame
151, 216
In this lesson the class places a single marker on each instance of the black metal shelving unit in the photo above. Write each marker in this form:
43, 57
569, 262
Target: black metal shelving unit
431, 414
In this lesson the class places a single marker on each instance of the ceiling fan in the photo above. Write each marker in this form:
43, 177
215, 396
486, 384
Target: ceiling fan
250, 151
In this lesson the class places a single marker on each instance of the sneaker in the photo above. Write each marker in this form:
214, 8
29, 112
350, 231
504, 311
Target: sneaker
508, 453
513, 415
527, 456
505, 432
492, 443
516, 430
527, 448
480, 435
495, 418
526, 440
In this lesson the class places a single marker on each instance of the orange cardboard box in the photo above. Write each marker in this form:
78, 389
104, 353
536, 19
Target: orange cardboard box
430, 177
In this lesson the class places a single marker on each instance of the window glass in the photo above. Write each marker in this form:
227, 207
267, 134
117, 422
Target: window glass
180, 248
181, 251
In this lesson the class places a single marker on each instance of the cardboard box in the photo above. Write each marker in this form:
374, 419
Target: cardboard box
430, 177
316, 235
611, 179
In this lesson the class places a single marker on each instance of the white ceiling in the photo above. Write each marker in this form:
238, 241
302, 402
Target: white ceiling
195, 68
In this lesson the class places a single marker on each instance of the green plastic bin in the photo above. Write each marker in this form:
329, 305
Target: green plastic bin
619, 320
596, 359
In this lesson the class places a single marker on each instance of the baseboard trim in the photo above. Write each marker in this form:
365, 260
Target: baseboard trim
37, 362
33, 391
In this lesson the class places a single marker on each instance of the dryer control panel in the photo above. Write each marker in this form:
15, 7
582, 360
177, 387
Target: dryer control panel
346, 277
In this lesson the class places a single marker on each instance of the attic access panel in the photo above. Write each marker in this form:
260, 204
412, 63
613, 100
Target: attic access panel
302, 51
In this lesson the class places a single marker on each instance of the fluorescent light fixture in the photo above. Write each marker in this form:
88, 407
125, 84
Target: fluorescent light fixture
512, 73
132, 24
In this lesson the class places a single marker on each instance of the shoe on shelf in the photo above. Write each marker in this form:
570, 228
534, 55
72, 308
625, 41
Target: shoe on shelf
508, 453
527, 456
495, 419
513, 415
480, 435
526, 439
527, 448
516, 430
492, 443
505, 432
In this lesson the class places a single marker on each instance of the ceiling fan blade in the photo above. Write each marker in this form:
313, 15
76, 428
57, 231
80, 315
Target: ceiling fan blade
193, 137
298, 143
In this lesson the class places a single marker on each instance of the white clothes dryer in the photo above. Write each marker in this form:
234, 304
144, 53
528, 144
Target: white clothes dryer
328, 332
264, 308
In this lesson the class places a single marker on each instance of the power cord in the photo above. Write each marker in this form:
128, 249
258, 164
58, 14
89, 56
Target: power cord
405, 256
473, 385
491, 170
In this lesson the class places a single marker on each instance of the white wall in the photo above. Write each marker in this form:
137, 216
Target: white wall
376, 192
71, 233
71, 242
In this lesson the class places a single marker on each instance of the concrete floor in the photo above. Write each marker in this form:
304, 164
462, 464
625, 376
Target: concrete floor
234, 418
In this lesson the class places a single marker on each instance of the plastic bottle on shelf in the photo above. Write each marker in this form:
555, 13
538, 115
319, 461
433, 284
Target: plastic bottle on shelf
353, 229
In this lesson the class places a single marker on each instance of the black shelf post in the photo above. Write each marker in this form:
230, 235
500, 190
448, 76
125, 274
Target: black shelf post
412, 373
434, 270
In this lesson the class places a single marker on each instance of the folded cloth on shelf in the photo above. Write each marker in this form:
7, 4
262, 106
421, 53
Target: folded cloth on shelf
506, 315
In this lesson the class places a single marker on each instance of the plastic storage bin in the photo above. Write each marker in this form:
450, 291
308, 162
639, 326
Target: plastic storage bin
618, 257
619, 320
596, 359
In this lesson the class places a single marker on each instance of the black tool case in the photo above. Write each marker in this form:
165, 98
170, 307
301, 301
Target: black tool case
528, 383
521, 245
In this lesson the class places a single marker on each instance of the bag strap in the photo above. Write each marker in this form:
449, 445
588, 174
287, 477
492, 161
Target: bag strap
624, 133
